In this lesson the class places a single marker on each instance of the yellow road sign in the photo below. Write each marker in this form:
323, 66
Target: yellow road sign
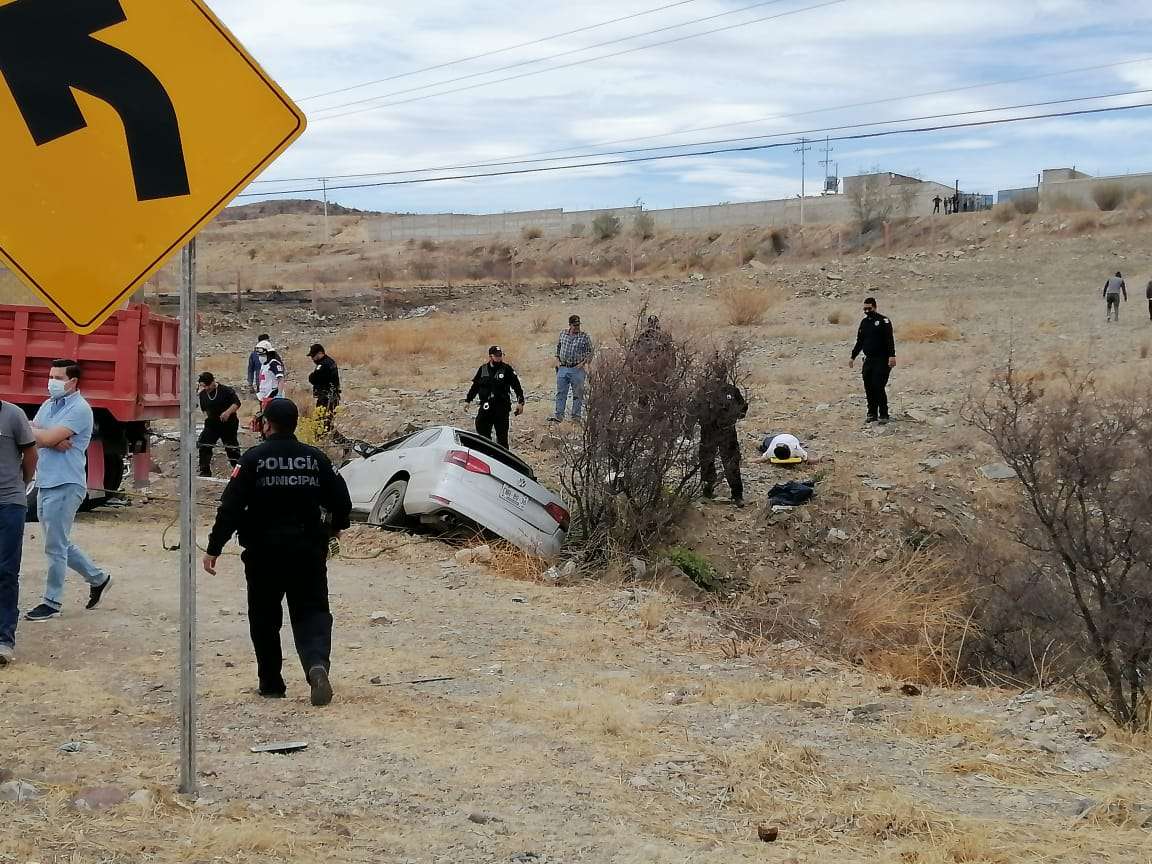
125, 126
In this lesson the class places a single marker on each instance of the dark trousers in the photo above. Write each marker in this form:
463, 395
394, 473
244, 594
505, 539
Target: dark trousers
876, 374
725, 444
1150, 308
12, 518
327, 403
488, 422
300, 575
214, 432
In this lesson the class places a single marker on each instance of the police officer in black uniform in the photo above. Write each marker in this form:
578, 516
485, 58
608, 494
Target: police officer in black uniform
277, 501
718, 407
325, 381
494, 383
878, 344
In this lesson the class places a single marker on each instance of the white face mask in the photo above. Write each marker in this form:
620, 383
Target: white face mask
57, 389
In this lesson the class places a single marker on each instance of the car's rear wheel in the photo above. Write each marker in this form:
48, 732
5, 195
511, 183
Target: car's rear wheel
389, 507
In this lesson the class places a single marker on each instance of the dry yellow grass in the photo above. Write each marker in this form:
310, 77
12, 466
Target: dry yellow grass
745, 306
923, 331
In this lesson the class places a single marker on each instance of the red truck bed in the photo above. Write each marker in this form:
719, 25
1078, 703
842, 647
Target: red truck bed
131, 364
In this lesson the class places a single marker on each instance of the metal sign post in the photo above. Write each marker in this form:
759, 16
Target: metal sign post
188, 784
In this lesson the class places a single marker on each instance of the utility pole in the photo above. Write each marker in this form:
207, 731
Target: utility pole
803, 151
324, 183
827, 163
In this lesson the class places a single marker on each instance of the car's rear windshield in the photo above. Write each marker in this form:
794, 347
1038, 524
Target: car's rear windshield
483, 445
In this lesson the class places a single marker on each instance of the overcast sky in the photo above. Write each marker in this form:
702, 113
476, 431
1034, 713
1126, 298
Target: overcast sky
847, 52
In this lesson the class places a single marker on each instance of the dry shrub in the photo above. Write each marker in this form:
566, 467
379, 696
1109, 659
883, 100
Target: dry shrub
428, 245
837, 316
654, 612
561, 270
1004, 212
745, 306
747, 255
512, 563
923, 331
423, 268
1087, 222
907, 617
1070, 597
539, 323
1027, 205
532, 233
1138, 202
1119, 811
1108, 196
756, 776
778, 240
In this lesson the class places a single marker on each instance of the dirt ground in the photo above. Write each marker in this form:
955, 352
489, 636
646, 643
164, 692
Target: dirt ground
604, 721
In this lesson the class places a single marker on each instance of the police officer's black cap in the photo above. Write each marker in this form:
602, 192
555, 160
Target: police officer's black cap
496, 350
316, 349
283, 413
206, 378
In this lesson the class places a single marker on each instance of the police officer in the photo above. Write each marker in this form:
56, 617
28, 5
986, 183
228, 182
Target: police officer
494, 383
878, 344
275, 502
718, 407
325, 381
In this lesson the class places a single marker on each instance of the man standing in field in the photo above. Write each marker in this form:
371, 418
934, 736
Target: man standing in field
494, 384
573, 352
876, 341
255, 361
325, 381
220, 405
63, 430
1113, 288
718, 407
17, 468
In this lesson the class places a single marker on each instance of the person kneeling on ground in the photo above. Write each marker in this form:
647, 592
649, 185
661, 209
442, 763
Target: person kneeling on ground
783, 449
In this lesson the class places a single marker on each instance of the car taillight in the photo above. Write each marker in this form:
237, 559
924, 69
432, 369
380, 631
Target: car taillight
467, 461
562, 516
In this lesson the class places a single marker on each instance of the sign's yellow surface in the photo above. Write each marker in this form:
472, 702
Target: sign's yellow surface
125, 126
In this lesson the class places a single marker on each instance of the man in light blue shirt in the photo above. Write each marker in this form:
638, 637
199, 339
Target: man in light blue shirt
63, 430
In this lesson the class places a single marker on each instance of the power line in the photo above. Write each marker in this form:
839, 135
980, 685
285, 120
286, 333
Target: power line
514, 160
574, 63
522, 63
747, 149
498, 51
791, 135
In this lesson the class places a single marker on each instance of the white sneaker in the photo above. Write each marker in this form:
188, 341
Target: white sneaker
7, 655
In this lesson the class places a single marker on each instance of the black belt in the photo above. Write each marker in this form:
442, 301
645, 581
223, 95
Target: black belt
569, 365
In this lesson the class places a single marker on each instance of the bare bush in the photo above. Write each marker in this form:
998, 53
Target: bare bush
748, 306
632, 470
539, 323
578, 229
1004, 212
779, 240
1108, 196
562, 271
871, 204
532, 232
644, 226
1026, 205
428, 245
1084, 459
606, 226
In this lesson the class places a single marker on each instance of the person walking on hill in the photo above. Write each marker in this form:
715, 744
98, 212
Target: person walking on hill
876, 341
63, 429
718, 407
1113, 289
325, 381
573, 353
493, 384
18, 459
254, 363
936, 202
276, 501
220, 405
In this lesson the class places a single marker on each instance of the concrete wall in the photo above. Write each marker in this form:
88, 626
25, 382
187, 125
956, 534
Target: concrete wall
825, 209
1027, 193
1077, 194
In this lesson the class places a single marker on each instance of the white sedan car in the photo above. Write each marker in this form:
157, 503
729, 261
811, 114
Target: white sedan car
449, 477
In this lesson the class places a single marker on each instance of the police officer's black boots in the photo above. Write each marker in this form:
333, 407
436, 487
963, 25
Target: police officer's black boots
321, 686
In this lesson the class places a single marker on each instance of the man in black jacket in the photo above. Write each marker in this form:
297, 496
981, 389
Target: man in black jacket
325, 381
876, 341
277, 501
494, 384
718, 407
220, 405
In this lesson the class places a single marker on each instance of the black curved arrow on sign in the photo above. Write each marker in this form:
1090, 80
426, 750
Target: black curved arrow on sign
46, 49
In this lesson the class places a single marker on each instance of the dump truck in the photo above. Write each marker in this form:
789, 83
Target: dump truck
131, 377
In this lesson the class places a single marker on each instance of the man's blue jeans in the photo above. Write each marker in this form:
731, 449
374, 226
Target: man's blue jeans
570, 378
57, 508
12, 518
